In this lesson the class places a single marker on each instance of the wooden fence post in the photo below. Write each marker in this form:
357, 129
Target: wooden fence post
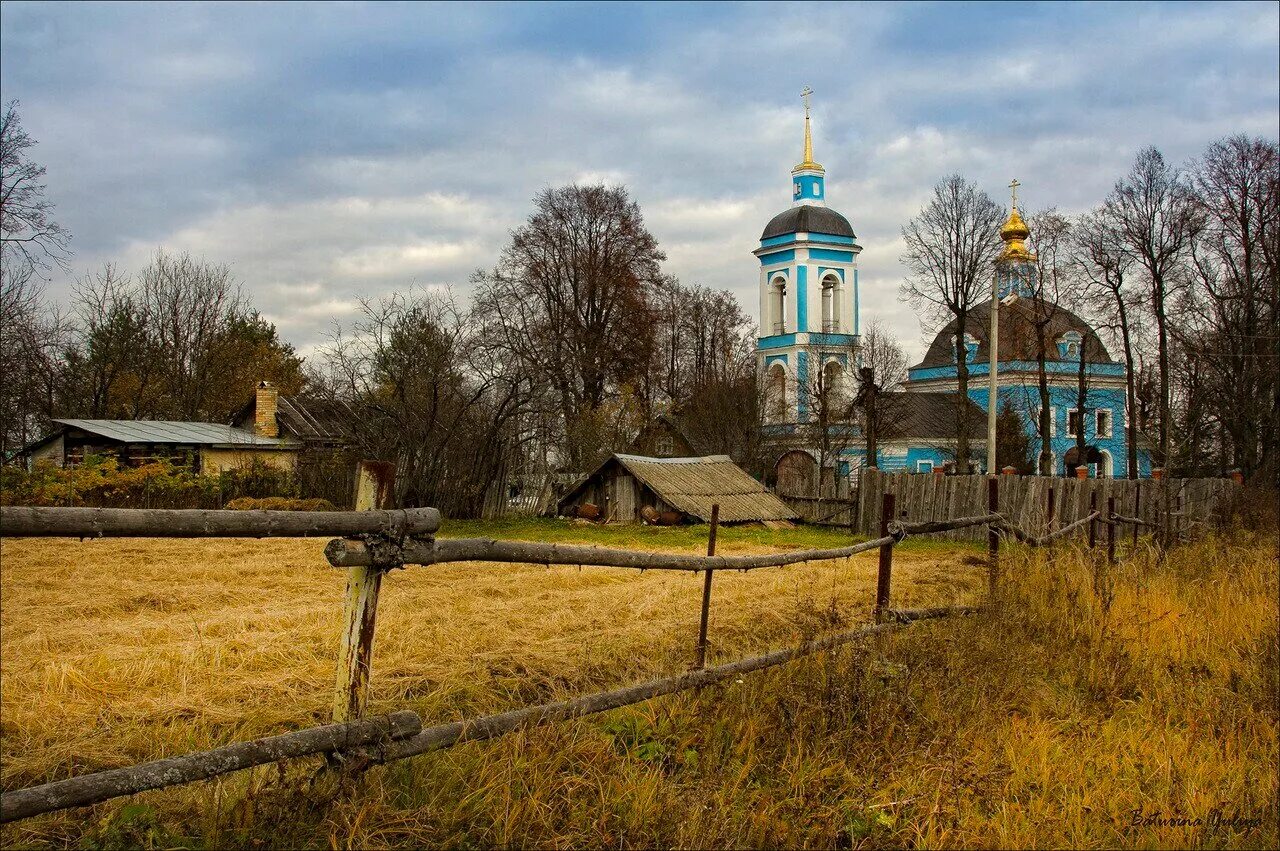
993, 536
1111, 530
887, 508
1093, 524
1137, 511
360, 608
706, 589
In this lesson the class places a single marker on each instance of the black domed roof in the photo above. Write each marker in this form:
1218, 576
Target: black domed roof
808, 219
1018, 334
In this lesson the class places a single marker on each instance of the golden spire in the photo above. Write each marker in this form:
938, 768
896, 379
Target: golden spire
808, 137
1014, 232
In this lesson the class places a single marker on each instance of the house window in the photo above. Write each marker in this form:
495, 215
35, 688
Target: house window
1073, 422
924, 466
665, 448
1102, 423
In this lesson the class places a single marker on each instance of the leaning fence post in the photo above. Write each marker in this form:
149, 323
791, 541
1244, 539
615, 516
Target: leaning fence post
706, 589
883, 580
1093, 524
1111, 530
360, 608
993, 535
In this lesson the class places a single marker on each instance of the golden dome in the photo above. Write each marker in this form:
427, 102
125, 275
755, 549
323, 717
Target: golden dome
1014, 232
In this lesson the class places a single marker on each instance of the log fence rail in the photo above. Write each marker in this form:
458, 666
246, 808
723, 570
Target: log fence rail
374, 541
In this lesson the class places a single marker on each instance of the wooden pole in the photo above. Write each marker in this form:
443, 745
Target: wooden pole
706, 589
1111, 530
104, 785
57, 522
1093, 526
887, 508
1137, 511
360, 607
993, 535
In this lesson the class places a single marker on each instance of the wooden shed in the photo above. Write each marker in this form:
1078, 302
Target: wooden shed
624, 485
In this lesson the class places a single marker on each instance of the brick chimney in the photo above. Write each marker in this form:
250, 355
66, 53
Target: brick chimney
264, 410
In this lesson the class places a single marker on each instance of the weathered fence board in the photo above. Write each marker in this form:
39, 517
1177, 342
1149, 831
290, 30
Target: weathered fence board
1024, 500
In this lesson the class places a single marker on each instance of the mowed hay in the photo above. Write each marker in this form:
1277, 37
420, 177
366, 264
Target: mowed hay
118, 651
1046, 725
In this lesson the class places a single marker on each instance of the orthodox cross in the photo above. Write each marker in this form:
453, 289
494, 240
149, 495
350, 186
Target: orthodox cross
804, 95
1013, 186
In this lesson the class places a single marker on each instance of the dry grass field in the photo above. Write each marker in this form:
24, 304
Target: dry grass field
1047, 726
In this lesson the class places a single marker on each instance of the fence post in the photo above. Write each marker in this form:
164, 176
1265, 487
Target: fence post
993, 536
1137, 511
887, 508
360, 608
1111, 530
1093, 524
706, 589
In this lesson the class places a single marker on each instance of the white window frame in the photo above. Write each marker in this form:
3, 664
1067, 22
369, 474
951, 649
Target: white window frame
1111, 420
1071, 411
1053, 420
922, 468
666, 447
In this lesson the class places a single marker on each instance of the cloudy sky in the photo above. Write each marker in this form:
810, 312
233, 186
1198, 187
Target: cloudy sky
335, 150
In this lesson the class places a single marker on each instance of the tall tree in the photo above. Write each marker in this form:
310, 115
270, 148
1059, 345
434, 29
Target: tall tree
878, 404
30, 238
1236, 323
951, 246
1157, 217
1104, 264
571, 300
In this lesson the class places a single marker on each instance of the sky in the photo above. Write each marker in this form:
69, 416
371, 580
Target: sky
335, 151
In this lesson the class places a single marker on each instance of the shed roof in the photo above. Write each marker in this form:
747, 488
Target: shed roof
693, 485
170, 431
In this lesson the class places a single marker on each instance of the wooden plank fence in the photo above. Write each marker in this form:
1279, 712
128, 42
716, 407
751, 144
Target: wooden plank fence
1024, 500
828, 511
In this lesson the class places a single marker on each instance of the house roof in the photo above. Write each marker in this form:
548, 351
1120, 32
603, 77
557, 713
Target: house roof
930, 415
170, 431
313, 418
693, 485
1017, 334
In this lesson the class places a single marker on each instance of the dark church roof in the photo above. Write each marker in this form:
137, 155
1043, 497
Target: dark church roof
1017, 334
931, 415
808, 219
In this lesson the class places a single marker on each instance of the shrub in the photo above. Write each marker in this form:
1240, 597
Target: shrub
258, 479
280, 503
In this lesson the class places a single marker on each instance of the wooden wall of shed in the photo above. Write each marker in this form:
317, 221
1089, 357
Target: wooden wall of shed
619, 495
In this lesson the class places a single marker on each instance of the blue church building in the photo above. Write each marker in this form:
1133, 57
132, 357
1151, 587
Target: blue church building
809, 343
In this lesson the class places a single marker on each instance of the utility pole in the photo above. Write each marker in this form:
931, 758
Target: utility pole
993, 340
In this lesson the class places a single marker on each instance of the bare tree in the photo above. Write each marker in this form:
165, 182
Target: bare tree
826, 391
951, 246
880, 376
1234, 321
1104, 265
571, 300
30, 337
1051, 232
1156, 215
29, 236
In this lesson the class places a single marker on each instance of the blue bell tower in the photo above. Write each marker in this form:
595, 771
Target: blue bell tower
808, 292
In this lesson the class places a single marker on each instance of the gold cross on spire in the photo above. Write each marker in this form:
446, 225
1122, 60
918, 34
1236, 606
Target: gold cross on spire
808, 134
1013, 187
804, 96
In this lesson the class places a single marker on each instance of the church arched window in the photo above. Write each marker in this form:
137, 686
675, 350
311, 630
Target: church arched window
778, 304
1070, 345
830, 304
776, 394
833, 387
970, 348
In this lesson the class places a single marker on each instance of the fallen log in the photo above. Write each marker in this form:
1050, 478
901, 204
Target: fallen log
354, 553
46, 522
104, 785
